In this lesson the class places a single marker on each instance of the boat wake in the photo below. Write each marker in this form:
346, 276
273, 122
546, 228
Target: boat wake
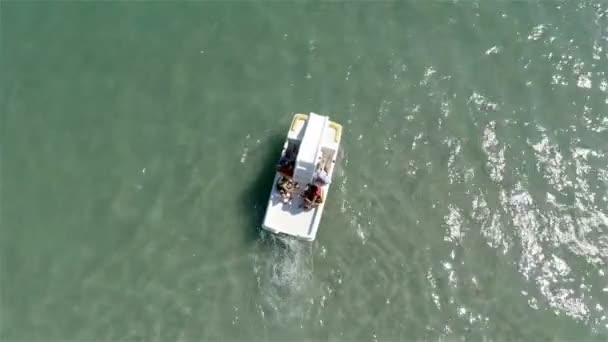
283, 268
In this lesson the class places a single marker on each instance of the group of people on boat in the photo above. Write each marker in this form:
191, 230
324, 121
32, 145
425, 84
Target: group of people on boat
312, 194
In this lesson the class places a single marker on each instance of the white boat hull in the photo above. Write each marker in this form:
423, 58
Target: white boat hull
318, 140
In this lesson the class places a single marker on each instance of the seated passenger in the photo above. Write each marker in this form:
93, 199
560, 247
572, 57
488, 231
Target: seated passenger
284, 160
286, 186
289, 156
287, 168
321, 177
313, 196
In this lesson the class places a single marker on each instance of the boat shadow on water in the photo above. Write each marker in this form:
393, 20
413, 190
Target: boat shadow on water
255, 196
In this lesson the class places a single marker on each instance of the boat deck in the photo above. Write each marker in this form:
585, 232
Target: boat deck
290, 218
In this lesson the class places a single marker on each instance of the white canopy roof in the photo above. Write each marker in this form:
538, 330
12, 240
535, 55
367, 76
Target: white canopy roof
309, 149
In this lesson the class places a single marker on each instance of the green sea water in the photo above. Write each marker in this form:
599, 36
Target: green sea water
138, 141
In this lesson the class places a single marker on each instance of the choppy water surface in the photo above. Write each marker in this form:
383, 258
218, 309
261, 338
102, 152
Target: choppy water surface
470, 200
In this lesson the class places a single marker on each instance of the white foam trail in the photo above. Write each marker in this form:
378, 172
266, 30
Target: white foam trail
283, 267
495, 153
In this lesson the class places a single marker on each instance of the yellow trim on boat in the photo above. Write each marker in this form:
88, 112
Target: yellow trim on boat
338, 128
296, 119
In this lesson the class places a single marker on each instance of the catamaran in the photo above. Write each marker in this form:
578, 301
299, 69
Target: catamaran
308, 161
